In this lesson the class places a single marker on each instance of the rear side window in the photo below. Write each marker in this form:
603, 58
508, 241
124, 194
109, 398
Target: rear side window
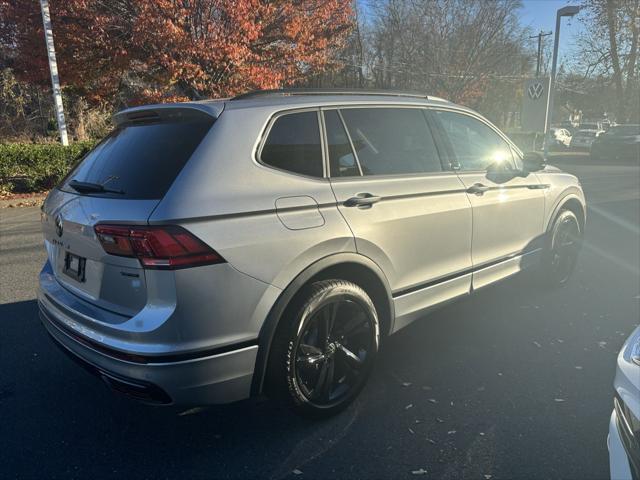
140, 161
475, 145
293, 144
392, 140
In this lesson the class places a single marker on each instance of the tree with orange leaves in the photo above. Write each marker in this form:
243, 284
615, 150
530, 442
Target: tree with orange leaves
160, 50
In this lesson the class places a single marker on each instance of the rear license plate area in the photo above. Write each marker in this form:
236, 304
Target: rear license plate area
74, 266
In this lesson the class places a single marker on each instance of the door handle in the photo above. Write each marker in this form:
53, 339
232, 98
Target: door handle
362, 200
478, 189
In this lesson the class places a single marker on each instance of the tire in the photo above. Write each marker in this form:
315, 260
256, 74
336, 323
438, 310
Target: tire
562, 246
323, 353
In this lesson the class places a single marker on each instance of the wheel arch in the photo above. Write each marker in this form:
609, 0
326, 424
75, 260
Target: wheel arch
573, 203
353, 267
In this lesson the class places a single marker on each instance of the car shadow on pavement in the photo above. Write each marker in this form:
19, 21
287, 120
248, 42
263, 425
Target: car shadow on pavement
68, 421
444, 379
65, 418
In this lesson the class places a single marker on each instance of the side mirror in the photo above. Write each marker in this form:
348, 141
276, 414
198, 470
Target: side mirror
533, 162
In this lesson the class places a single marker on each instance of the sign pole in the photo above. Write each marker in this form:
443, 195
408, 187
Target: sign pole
53, 68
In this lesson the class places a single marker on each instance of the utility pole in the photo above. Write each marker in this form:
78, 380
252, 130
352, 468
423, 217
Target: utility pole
53, 68
539, 58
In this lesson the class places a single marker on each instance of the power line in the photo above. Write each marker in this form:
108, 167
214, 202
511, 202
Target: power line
397, 67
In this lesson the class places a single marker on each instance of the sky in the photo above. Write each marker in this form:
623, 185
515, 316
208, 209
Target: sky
537, 15
541, 15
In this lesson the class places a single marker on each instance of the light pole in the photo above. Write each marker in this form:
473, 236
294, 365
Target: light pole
53, 69
568, 11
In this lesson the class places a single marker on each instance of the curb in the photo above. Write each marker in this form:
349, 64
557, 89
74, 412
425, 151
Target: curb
31, 201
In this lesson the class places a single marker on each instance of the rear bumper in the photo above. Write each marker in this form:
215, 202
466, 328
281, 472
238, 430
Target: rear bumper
216, 378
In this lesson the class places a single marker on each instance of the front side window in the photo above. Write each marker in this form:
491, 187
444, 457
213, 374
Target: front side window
475, 145
392, 140
293, 144
341, 159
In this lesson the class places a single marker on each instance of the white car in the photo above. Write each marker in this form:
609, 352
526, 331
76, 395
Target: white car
624, 426
560, 137
583, 139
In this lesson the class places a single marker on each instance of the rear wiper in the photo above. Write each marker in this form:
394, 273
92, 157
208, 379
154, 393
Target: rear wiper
90, 187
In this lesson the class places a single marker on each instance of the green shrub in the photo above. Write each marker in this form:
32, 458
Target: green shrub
32, 167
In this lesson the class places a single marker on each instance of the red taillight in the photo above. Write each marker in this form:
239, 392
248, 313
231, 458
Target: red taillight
162, 247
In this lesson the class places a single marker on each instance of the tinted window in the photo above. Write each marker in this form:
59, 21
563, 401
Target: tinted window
624, 130
341, 158
475, 145
140, 160
392, 140
293, 144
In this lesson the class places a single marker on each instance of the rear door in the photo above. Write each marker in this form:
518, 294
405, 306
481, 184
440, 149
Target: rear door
508, 208
407, 213
135, 165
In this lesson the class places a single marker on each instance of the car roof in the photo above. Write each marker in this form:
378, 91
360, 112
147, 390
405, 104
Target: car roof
295, 98
320, 97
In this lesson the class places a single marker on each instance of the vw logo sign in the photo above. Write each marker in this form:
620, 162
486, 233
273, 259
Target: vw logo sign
59, 225
535, 91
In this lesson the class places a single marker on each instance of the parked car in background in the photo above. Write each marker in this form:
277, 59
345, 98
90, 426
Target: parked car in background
582, 139
621, 142
606, 124
590, 125
559, 138
208, 251
624, 425
569, 126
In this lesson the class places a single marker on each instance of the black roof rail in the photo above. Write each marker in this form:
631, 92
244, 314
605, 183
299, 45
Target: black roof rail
284, 92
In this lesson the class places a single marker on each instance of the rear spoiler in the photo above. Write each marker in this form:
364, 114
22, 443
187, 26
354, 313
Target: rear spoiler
169, 111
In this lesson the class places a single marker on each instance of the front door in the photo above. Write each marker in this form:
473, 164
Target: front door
407, 213
508, 207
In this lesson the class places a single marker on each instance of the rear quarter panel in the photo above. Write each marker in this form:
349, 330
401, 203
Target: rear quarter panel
233, 203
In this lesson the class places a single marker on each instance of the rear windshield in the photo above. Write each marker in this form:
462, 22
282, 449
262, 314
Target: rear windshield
139, 161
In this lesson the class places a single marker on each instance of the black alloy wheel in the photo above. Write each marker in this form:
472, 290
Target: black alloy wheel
332, 344
565, 245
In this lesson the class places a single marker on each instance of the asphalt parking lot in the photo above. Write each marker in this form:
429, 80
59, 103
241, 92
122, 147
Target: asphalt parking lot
512, 382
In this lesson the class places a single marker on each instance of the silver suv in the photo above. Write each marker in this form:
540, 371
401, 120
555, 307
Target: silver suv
205, 252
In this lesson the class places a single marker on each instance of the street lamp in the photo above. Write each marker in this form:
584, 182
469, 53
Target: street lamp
568, 11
